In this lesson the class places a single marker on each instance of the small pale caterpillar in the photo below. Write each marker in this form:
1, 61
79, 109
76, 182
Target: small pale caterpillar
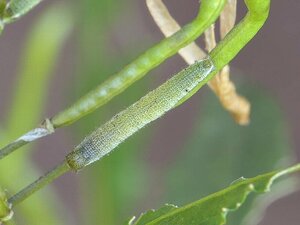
152, 106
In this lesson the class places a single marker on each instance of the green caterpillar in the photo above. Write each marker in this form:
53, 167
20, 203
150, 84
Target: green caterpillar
152, 106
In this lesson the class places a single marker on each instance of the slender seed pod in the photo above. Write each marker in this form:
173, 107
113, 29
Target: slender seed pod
152, 106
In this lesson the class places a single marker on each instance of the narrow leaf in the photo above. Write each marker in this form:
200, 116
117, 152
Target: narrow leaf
220, 149
213, 209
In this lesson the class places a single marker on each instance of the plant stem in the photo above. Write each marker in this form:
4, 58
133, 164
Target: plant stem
237, 38
45, 129
227, 49
11, 147
40, 183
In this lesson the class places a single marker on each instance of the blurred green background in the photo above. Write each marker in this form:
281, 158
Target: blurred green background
62, 49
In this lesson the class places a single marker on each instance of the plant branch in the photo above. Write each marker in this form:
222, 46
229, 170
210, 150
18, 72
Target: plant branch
230, 46
40, 183
45, 129
238, 37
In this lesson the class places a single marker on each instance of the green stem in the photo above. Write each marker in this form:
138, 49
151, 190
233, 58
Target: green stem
226, 50
40, 183
208, 13
11, 147
237, 38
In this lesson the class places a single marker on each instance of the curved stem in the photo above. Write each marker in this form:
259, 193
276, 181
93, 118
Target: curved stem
227, 49
40, 183
237, 38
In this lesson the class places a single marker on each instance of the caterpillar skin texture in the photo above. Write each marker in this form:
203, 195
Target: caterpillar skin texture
152, 106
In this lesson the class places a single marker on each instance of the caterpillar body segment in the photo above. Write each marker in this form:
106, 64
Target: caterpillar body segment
152, 106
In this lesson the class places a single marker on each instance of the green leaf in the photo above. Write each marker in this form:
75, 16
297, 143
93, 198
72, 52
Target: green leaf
225, 151
152, 215
213, 209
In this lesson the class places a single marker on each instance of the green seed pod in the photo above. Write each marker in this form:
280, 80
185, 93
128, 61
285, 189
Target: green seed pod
152, 106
